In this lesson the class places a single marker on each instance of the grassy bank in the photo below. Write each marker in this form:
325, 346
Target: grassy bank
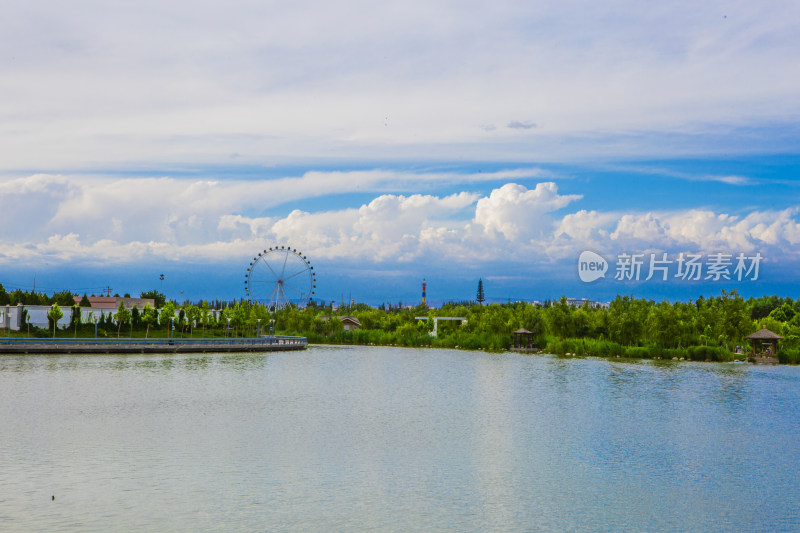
604, 348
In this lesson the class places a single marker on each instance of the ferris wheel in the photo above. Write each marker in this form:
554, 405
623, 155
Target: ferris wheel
280, 276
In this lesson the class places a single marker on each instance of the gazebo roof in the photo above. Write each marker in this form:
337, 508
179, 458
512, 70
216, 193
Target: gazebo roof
523, 331
764, 334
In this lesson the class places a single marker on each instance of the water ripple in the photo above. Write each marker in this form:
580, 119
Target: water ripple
390, 439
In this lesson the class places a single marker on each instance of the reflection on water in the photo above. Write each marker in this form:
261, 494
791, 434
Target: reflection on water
358, 438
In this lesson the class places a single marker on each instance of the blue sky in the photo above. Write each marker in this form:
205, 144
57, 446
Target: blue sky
395, 142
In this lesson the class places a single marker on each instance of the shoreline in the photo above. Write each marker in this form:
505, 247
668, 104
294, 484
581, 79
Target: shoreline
747, 359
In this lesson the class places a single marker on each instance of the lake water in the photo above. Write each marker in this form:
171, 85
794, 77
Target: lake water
392, 439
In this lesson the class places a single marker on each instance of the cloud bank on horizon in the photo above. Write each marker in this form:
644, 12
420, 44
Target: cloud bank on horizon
384, 134
100, 221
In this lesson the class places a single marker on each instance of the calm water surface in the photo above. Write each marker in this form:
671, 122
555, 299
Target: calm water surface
391, 439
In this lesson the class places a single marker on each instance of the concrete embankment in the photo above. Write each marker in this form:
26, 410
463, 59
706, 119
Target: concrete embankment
67, 346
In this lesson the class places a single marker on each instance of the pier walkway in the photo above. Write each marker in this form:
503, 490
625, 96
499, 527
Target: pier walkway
67, 346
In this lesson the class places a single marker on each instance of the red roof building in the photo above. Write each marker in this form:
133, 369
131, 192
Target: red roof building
112, 302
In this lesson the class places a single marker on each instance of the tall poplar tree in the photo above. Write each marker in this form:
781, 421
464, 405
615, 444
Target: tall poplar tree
55, 314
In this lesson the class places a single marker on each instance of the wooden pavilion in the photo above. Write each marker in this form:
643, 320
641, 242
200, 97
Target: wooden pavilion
766, 340
523, 340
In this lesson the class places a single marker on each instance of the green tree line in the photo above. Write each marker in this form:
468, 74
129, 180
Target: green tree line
704, 329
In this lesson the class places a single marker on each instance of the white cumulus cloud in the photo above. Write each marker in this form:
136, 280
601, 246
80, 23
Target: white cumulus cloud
518, 213
99, 223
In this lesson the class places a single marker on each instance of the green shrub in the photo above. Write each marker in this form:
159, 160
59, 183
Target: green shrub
789, 356
638, 352
709, 353
670, 353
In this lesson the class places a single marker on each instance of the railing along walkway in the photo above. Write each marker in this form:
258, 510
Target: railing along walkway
156, 345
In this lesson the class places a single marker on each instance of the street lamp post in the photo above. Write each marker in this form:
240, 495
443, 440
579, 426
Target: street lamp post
258, 332
228, 331
172, 327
